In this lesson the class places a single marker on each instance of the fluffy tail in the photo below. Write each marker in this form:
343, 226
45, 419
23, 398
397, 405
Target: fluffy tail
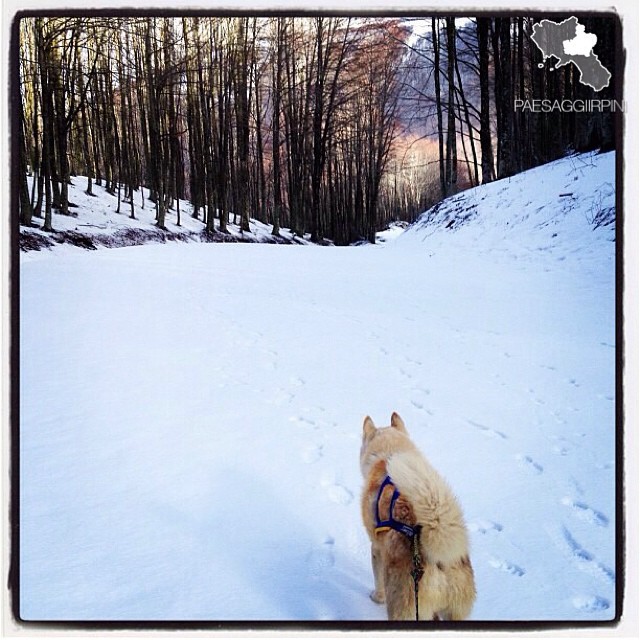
444, 535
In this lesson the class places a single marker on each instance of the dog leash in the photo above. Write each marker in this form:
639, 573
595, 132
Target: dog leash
417, 572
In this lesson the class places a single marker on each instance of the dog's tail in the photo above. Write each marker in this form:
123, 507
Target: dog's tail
444, 535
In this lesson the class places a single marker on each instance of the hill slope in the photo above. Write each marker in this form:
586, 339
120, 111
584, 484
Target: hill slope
102, 220
551, 209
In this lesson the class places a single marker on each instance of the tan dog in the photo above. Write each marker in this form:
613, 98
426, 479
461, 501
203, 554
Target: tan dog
446, 590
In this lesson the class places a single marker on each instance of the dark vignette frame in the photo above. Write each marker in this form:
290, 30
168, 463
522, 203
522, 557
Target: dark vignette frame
13, 577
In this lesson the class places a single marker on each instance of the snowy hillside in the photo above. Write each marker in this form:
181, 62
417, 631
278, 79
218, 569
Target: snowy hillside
191, 414
551, 209
104, 220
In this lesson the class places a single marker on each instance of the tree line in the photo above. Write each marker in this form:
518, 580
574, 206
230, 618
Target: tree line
309, 123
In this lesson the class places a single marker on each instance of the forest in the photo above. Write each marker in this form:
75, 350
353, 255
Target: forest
328, 126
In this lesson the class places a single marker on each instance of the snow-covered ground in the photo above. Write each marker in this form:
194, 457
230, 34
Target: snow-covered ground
105, 219
191, 413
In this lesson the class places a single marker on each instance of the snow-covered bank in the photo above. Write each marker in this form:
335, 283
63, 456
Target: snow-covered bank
191, 414
100, 220
553, 209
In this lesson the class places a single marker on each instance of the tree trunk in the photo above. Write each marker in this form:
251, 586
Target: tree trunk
435, 28
486, 146
275, 127
504, 95
451, 173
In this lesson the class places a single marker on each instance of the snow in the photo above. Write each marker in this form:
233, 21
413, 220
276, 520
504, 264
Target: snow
99, 217
191, 413
392, 232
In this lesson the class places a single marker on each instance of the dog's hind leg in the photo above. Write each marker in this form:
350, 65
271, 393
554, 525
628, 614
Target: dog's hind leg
400, 592
461, 592
378, 595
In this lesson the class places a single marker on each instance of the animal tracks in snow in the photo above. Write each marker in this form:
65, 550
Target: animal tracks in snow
583, 559
489, 527
585, 512
485, 526
536, 399
404, 373
321, 558
335, 491
419, 405
280, 397
557, 417
529, 463
418, 401
487, 431
506, 566
407, 367
301, 420
421, 391
590, 603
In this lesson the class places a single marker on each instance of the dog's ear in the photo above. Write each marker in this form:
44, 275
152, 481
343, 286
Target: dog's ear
368, 428
397, 423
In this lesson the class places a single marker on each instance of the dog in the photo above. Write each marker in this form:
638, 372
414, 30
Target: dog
403, 495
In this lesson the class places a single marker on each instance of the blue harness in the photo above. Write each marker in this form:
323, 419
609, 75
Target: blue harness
390, 522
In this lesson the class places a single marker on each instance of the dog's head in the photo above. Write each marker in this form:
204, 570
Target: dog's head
379, 444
